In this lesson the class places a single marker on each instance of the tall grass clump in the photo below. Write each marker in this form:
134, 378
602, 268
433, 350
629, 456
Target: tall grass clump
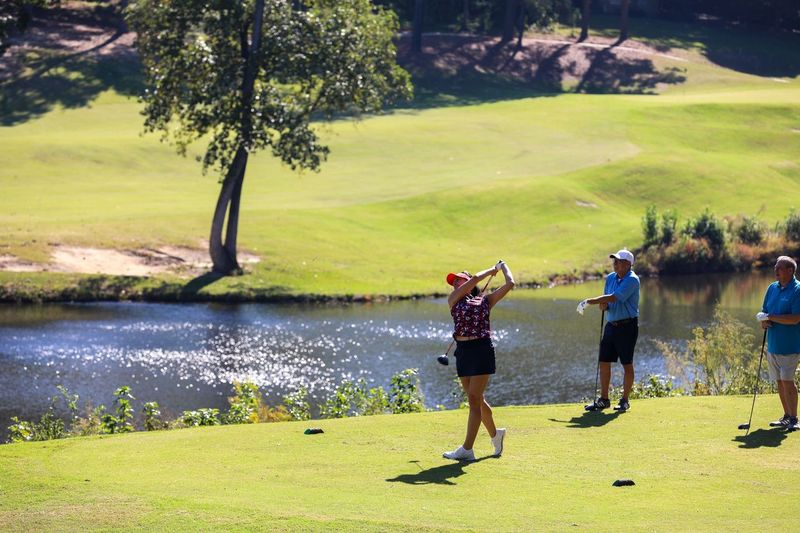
720, 359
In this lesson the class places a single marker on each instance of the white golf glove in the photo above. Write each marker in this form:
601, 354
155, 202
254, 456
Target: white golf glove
762, 316
499, 265
581, 307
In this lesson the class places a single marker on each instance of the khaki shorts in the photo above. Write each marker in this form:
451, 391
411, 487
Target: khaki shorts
782, 367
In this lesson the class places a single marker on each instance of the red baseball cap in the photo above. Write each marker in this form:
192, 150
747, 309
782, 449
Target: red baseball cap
452, 277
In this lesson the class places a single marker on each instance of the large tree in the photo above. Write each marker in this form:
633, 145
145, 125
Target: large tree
246, 75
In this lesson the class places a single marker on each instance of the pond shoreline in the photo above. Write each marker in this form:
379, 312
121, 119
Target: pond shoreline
21, 289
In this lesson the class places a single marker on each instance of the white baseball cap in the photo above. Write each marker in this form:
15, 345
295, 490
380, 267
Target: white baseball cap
624, 255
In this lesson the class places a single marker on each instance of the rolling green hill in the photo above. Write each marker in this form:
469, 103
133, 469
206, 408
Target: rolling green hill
550, 182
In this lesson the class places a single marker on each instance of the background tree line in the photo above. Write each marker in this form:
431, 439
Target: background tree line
491, 16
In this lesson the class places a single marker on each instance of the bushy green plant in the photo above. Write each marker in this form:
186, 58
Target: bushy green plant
750, 230
152, 416
706, 226
792, 226
20, 430
297, 404
91, 423
49, 426
123, 421
201, 417
355, 399
405, 395
244, 404
720, 359
650, 226
652, 386
669, 221
348, 399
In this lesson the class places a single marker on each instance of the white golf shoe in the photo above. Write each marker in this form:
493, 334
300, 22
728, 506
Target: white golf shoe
497, 441
460, 454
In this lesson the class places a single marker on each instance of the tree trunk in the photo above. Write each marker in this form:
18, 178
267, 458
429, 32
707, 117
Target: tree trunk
416, 32
623, 20
223, 254
465, 22
510, 19
586, 12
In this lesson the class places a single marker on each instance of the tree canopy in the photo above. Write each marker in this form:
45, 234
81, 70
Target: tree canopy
324, 56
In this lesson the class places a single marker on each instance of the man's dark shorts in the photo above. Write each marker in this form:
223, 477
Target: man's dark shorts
619, 340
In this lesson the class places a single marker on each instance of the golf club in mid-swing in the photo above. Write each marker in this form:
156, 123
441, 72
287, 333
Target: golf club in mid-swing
755, 389
444, 359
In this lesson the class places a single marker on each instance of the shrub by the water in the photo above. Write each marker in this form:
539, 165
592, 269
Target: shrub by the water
720, 359
152, 414
201, 417
297, 404
405, 395
792, 226
704, 244
123, 421
750, 230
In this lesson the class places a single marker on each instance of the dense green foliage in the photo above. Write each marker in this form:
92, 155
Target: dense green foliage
708, 244
326, 57
722, 358
247, 406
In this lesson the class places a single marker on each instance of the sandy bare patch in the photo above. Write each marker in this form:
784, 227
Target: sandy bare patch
581, 203
138, 262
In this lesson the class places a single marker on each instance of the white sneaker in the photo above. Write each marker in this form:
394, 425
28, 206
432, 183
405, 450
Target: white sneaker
460, 454
497, 441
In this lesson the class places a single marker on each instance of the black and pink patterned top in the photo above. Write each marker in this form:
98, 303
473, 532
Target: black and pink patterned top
471, 317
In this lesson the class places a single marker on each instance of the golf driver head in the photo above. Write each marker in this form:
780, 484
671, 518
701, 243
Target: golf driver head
744, 426
443, 359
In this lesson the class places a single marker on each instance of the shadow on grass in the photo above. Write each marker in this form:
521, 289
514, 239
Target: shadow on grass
438, 475
761, 438
200, 282
589, 419
458, 70
752, 51
41, 76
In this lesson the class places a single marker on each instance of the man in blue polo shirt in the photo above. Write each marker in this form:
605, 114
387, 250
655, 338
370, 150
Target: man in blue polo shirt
621, 300
782, 322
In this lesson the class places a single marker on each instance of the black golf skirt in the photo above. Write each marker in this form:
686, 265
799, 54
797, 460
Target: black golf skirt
475, 357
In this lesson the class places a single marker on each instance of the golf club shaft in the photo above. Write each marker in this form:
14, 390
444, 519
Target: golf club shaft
758, 382
597, 374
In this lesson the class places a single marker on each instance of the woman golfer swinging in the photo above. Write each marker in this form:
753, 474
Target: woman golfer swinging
475, 352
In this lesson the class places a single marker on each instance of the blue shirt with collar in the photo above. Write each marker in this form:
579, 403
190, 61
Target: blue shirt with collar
783, 339
626, 290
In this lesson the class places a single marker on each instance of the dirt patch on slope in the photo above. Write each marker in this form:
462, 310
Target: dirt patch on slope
135, 262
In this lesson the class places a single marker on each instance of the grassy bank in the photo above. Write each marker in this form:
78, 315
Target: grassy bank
693, 471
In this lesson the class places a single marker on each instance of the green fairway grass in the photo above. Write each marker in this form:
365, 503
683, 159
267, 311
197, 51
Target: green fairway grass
550, 183
694, 471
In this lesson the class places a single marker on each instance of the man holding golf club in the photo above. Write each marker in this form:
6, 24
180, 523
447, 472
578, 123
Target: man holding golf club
780, 318
620, 300
475, 361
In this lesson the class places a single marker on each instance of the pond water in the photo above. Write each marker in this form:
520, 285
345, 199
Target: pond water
185, 356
